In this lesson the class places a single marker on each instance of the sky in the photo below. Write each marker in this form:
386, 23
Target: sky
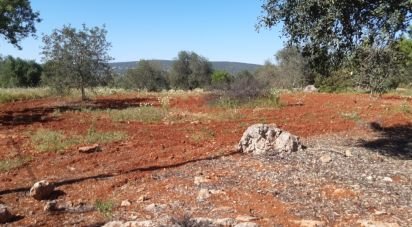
220, 30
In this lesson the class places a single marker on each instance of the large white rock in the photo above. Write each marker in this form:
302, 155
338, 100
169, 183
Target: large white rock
41, 190
267, 139
310, 89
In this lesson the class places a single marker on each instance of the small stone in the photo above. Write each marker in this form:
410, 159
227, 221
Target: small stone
90, 149
125, 203
246, 218
200, 179
5, 215
195, 122
387, 179
348, 153
143, 198
325, 159
369, 178
41, 190
203, 195
155, 208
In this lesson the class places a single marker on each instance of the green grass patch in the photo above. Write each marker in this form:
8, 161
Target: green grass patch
9, 164
45, 140
146, 114
270, 101
105, 207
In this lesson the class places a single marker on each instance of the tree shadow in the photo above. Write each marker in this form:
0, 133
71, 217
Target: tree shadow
32, 115
394, 141
111, 175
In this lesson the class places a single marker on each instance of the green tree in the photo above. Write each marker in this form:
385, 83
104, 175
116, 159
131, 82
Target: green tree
405, 47
147, 75
76, 58
221, 79
329, 31
17, 20
16, 72
190, 71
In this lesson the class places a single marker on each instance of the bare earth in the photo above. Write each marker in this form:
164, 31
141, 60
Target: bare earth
356, 169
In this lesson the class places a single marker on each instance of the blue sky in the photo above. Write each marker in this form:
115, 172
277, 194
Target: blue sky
220, 30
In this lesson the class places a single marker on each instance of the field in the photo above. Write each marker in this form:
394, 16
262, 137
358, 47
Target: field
171, 157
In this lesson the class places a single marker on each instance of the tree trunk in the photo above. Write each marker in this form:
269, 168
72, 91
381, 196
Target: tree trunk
83, 92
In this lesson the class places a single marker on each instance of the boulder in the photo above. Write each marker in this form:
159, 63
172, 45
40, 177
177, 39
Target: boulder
5, 215
267, 139
41, 190
310, 89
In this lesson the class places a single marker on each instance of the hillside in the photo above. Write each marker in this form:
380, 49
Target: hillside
231, 67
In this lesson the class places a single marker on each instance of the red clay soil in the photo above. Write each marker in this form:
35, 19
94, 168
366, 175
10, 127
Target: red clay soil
150, 148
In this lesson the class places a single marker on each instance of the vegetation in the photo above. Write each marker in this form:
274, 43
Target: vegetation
9, 164
45, 140
335, 34
17, 20
190, 71
105, 207
76, 58
16, 72
15, 94
147, 75
146, 114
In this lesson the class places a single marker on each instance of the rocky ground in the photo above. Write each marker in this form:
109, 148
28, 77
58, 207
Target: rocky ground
351, 173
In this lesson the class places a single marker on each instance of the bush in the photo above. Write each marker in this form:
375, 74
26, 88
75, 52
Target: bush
246, 87
146, 75
340, 81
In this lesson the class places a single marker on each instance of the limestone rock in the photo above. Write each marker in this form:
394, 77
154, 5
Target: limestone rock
125, 203
203, 195
267, 139
310, 89
90, 149
325, 159
41, 190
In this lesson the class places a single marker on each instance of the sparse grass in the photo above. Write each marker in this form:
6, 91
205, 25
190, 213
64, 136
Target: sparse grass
45, 140
93, 136
353, 116
146, 114
9, 164
15, 94
270, 101
105, 207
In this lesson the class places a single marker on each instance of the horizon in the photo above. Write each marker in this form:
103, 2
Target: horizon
157, 30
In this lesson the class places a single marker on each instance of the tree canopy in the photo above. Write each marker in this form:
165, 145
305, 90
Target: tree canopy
190, 71
76, 58
329, 31
16, 72
17, 20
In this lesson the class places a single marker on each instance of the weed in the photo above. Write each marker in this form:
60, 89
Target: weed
15, 94
9, 164
45, 140
146, 114
105, 207
353, 116
405, 108
93, 136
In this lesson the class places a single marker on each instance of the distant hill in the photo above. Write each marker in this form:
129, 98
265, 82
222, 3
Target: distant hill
231, 67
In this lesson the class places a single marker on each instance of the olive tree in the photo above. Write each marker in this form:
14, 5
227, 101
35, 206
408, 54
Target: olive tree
17, 20
329, 31
147, 75
190, 71
76, 58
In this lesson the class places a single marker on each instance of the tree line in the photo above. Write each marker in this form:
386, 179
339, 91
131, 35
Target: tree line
334, 44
